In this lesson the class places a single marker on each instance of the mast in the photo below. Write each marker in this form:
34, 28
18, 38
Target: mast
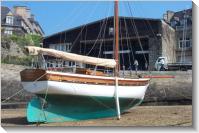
116, 29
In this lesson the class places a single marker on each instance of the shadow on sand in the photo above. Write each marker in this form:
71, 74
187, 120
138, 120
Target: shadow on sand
16, 121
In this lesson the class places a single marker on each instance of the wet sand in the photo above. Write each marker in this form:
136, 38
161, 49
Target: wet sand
138, 116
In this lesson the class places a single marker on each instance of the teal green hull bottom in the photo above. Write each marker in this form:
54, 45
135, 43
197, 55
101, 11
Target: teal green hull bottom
74, 108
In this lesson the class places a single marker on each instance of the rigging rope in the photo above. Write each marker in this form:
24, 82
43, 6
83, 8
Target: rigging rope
137, 34
98, 34
147, 22
120, 31
126, 29
136, 31
85, 41
129, 57
72, 15
84, 25
103, 36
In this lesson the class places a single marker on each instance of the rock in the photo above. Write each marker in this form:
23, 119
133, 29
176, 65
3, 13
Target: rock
10, 83
13, 50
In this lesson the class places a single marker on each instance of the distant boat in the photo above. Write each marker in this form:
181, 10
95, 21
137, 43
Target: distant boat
79, 96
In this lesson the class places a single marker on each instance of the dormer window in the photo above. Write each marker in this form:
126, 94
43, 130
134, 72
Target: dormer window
173, 23
9, 20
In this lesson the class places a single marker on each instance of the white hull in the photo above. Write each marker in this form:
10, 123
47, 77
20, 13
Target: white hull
64, 88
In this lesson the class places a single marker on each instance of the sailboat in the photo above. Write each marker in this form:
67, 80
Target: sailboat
66, 96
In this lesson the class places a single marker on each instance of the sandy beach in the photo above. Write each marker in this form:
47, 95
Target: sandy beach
139, 116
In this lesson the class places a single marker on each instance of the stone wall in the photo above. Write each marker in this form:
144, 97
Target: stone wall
162, 91
176, 90
162, 44
154, 51
168, 42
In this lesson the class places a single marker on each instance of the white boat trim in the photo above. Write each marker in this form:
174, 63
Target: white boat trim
64, 88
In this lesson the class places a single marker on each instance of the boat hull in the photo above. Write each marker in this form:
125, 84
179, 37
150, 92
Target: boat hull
64, 88
72, 101
74, 108
71, 97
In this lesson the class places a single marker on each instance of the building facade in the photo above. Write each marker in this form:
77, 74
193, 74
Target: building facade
182, 23
19, 21
140, 38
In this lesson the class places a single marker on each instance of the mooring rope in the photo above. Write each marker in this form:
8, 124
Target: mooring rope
8, 98
42, 107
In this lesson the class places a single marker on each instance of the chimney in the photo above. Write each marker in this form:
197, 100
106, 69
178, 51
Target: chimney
28, 14
22, 11
33, 16
170, 14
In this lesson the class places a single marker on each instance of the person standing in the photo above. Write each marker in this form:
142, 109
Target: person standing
136, 65
161, 63
146, 66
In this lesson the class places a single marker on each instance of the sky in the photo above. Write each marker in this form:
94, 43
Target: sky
56, 16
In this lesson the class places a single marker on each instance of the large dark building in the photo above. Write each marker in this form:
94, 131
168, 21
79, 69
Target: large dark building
140, 38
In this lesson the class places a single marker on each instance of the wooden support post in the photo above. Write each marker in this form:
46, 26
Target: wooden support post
117, 98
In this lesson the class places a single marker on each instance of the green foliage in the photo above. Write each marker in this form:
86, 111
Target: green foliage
16, 60
37, 39
25, 40
5, 42
21, 41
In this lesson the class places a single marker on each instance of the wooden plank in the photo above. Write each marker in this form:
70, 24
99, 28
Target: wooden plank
86, 80
34, 74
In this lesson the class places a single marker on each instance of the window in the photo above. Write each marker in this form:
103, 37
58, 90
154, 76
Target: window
9, 20
52, 46
63, 47
188, 44
182, 22
68, 46
24, 25
56, 47
173, 23
8, 32
185, 43
111, 31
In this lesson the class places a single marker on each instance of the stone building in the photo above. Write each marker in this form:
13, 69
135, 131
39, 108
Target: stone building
182, 23
143, 39
19, 21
